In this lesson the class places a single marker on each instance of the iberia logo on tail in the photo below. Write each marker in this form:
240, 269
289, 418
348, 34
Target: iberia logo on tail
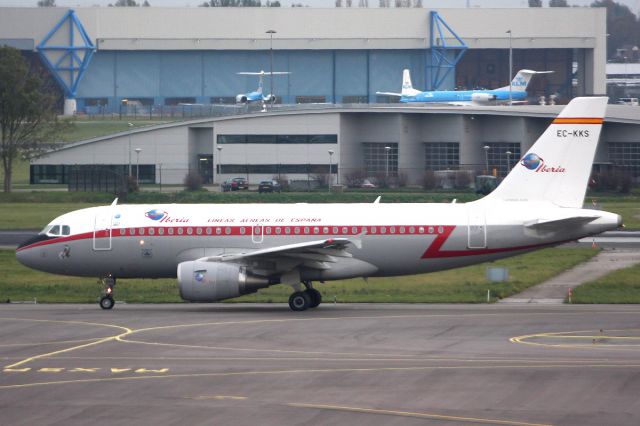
534, 162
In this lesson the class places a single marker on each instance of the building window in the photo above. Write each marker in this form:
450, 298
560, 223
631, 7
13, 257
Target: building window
441, 156
311, 99
96, 102
625, 156
387, 99
277, 169
499, 159
179, 101
378, 160
355, 99
277, 139
223, 100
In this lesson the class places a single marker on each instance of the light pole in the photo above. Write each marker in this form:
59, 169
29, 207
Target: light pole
508, 161
510, 68
138, 150
387, 150
271, 33
130, 127
330, 167
486, 158
219, 148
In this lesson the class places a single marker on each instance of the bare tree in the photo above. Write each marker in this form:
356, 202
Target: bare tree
46, 3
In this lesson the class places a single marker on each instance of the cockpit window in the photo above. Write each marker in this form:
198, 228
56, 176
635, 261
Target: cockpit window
55, 230
46, 229
66, 230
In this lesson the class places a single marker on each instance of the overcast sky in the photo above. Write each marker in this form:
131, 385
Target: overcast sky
634, 5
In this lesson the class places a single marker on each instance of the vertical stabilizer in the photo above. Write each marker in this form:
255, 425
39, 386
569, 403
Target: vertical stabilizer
522, 79
407, 87
558, 165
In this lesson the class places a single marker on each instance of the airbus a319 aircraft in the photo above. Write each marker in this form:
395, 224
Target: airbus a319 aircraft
467, 97
224, 251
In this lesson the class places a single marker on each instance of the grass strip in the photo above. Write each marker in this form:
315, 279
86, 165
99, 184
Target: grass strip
464, 285
621, 286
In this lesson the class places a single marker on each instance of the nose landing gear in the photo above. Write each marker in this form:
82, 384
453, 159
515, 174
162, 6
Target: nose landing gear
106, 301
303, 300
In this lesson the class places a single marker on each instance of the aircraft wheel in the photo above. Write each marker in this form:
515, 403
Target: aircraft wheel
107, 302
299, 301
315, 296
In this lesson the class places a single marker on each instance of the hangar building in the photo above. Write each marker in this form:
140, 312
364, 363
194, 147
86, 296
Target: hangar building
370, 141
342, 56
165, 56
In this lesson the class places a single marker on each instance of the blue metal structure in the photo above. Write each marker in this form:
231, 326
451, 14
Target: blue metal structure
68, 61
444, 56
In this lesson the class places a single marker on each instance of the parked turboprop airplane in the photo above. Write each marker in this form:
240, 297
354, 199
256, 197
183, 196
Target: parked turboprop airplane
465, 97
257, 95
223, 251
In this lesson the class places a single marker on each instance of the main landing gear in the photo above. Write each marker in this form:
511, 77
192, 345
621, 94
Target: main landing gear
303, 300
106, 301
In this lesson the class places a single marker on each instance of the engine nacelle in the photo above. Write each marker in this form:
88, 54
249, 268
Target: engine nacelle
270, 98
211, 281
483, 97
241, 99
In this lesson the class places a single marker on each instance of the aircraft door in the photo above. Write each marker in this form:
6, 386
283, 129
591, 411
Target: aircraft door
257, 233
102, 227
476, 228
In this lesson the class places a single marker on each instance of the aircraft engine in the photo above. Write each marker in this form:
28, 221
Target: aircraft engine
270, 98
211, 281
241, 99
483, 97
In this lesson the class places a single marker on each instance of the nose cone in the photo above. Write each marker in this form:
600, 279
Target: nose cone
25, 252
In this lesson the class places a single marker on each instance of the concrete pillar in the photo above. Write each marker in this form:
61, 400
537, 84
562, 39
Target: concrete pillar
70, 106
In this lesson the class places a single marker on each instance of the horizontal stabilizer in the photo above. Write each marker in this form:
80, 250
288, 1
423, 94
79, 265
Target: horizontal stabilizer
560, 224
389, 94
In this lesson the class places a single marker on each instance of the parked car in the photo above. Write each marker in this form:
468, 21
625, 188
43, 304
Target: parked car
234, 184
367, 184
269, 186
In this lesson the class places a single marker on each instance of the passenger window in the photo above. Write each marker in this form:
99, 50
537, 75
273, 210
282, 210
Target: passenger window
66, 230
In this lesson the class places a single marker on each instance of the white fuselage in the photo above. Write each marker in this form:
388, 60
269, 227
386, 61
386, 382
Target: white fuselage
149, 241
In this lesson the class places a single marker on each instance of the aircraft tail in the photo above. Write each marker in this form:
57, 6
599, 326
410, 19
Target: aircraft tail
522, 79
558, 165
407, 87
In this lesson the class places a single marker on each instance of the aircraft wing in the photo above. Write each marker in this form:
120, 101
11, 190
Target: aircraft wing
389, 94
317, 254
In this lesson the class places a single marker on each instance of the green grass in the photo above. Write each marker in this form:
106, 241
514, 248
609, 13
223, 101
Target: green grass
34, 215
81, 129
621, 286
466, 285
628, 209
87, 129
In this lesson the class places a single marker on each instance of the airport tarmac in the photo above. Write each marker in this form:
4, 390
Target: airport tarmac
356, 364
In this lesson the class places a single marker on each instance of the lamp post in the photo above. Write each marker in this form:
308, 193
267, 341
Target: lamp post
486, 158
387, 150
510, 68
508, 161
271, 33
219, 148
330, 167
138, 150
130, 126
